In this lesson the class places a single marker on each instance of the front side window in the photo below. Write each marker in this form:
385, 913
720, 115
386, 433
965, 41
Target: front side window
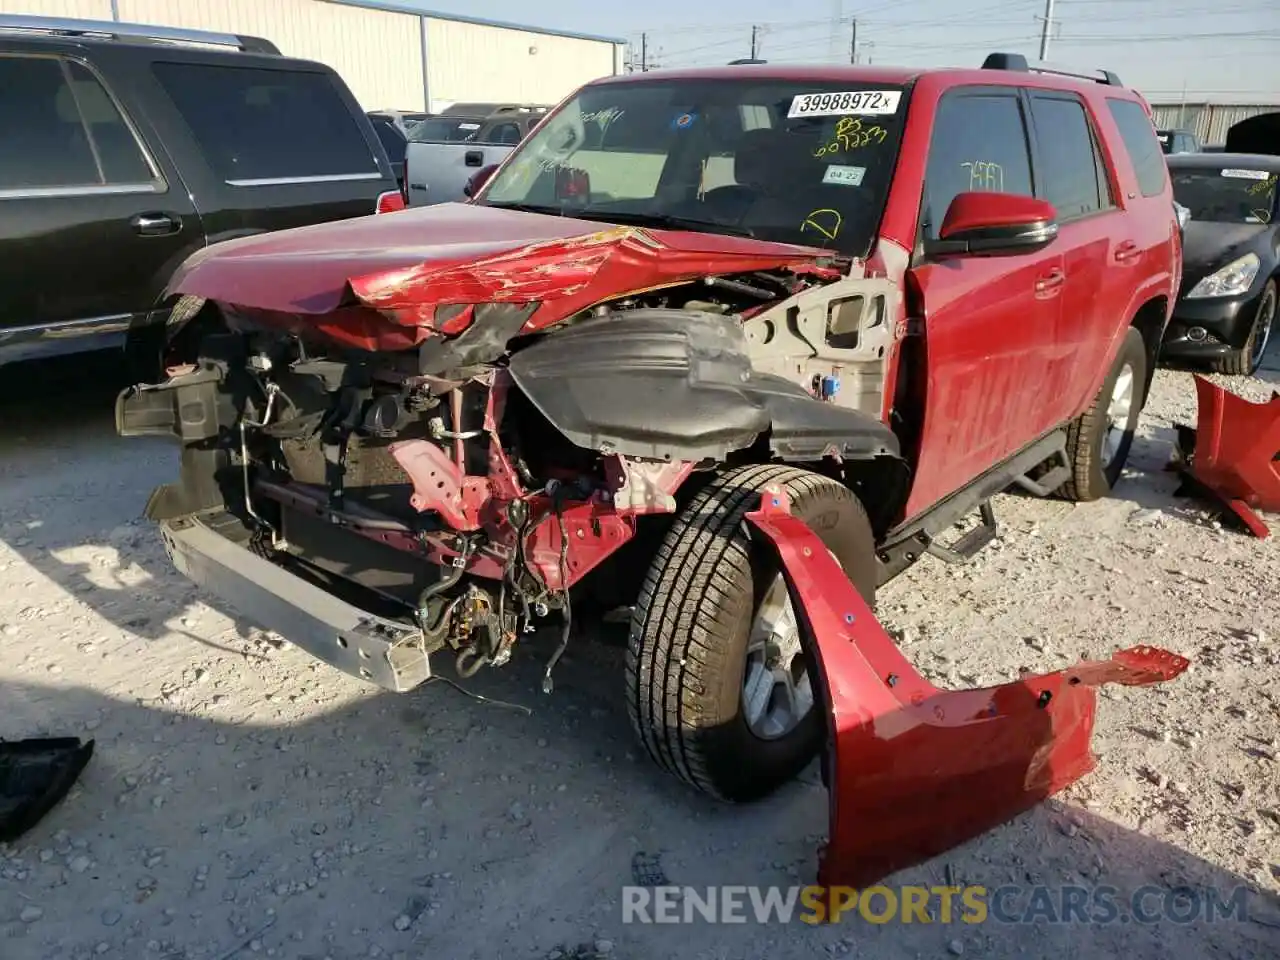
979, 143
786, 161
1227, 195
255, 125
1141, 144
59, 129
1070, 168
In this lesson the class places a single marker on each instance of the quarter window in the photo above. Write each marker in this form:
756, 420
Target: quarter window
979, 144
256, 124
61, 130
1140, 143
1070, 168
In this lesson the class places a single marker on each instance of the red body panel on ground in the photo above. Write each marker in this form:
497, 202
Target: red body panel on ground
914, 770
1237, 452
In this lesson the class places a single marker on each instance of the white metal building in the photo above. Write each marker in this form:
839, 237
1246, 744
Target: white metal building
392, 56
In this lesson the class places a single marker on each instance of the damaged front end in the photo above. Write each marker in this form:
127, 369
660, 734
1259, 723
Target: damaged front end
433, 457
914, 770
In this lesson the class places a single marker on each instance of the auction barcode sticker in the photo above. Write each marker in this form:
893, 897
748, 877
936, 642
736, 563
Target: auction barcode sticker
875, 103
1247, 174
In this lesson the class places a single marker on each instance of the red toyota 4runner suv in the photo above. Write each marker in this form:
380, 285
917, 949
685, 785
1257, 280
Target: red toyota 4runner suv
892, 292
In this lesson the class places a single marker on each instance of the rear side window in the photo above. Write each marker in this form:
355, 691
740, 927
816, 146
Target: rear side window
1070, 169
61, 130
503, 133
257, 126
979, 143
1141, 144
392, 139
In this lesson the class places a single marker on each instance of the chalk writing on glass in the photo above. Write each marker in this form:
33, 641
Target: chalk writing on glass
824, 221
850, 134
985, 175
603, 118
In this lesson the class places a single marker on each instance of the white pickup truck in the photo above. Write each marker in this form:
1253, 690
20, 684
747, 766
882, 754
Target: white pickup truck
445, 151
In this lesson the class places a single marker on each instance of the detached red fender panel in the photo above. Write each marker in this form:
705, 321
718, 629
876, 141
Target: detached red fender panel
913, 770
1235, 454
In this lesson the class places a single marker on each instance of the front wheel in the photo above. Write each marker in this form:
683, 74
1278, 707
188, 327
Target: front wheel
1098, 441
719, 690
1244, 361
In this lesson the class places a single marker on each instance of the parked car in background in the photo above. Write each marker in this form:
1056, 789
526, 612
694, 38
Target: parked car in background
1226, 308
1178, 141
446, 151
124, 148
403, 120
888, 293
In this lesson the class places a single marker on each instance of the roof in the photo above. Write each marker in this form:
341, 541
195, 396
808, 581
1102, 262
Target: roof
895, 76
1225, 161
818, 73
399, 6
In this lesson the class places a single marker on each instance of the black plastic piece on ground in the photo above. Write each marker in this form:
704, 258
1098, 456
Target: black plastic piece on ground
34, 775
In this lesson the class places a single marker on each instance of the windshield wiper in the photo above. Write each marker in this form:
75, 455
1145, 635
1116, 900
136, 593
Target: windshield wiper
526, 208
666, 220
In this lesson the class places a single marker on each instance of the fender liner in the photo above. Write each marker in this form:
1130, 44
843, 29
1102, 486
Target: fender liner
679, 385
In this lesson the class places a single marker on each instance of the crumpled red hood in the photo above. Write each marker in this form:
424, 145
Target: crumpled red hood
406, 264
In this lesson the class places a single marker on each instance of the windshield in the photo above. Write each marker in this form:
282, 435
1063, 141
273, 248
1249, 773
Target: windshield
446, 129
1230, 195
787, 161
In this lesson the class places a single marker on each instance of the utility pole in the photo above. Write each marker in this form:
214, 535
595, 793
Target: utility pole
644, 52
754, 30
853, 42
1047, 30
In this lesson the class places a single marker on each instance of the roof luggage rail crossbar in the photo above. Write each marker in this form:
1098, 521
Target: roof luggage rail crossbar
65, 27
1016, 61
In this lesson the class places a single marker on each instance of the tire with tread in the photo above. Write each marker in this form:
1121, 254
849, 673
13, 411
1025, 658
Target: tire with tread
1241, 363
1085, 434
687, 649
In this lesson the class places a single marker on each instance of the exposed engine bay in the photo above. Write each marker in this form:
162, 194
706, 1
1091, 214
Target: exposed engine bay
517, 463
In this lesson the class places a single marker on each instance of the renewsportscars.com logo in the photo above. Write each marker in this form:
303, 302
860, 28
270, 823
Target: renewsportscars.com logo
1010, 904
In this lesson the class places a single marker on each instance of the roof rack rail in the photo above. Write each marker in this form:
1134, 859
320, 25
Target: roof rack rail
63, 27
1016, 61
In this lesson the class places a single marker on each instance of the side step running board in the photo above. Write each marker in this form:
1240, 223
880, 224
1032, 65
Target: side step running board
1054, 477
964, 549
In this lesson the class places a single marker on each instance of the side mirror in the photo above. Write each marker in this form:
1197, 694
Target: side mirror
982, 222
478, 180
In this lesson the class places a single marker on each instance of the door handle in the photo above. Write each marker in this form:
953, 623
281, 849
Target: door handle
474, 158
1127, 251
155, 224
1051, 281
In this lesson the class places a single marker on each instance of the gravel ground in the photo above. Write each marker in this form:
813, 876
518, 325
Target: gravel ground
246, 801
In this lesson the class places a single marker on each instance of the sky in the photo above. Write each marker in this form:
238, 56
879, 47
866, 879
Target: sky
1228, 51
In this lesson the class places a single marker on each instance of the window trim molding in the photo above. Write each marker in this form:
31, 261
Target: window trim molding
288, 181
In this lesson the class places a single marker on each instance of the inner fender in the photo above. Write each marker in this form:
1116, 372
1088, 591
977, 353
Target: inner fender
679, 385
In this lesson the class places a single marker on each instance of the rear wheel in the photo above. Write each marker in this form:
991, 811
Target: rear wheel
719, 690
1098, 441
1248, 358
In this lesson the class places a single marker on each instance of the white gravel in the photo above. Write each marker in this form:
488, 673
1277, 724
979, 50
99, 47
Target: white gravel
247, 801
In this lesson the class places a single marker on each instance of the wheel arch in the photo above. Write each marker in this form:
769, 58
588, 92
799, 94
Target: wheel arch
1150, 319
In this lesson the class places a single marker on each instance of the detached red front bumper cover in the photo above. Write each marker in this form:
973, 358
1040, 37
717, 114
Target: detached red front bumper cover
913, 770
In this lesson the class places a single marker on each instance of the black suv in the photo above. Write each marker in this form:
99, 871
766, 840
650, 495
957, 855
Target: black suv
124, 148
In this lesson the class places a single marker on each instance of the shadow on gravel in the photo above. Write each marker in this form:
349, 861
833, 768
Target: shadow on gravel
429, 825
72, 494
